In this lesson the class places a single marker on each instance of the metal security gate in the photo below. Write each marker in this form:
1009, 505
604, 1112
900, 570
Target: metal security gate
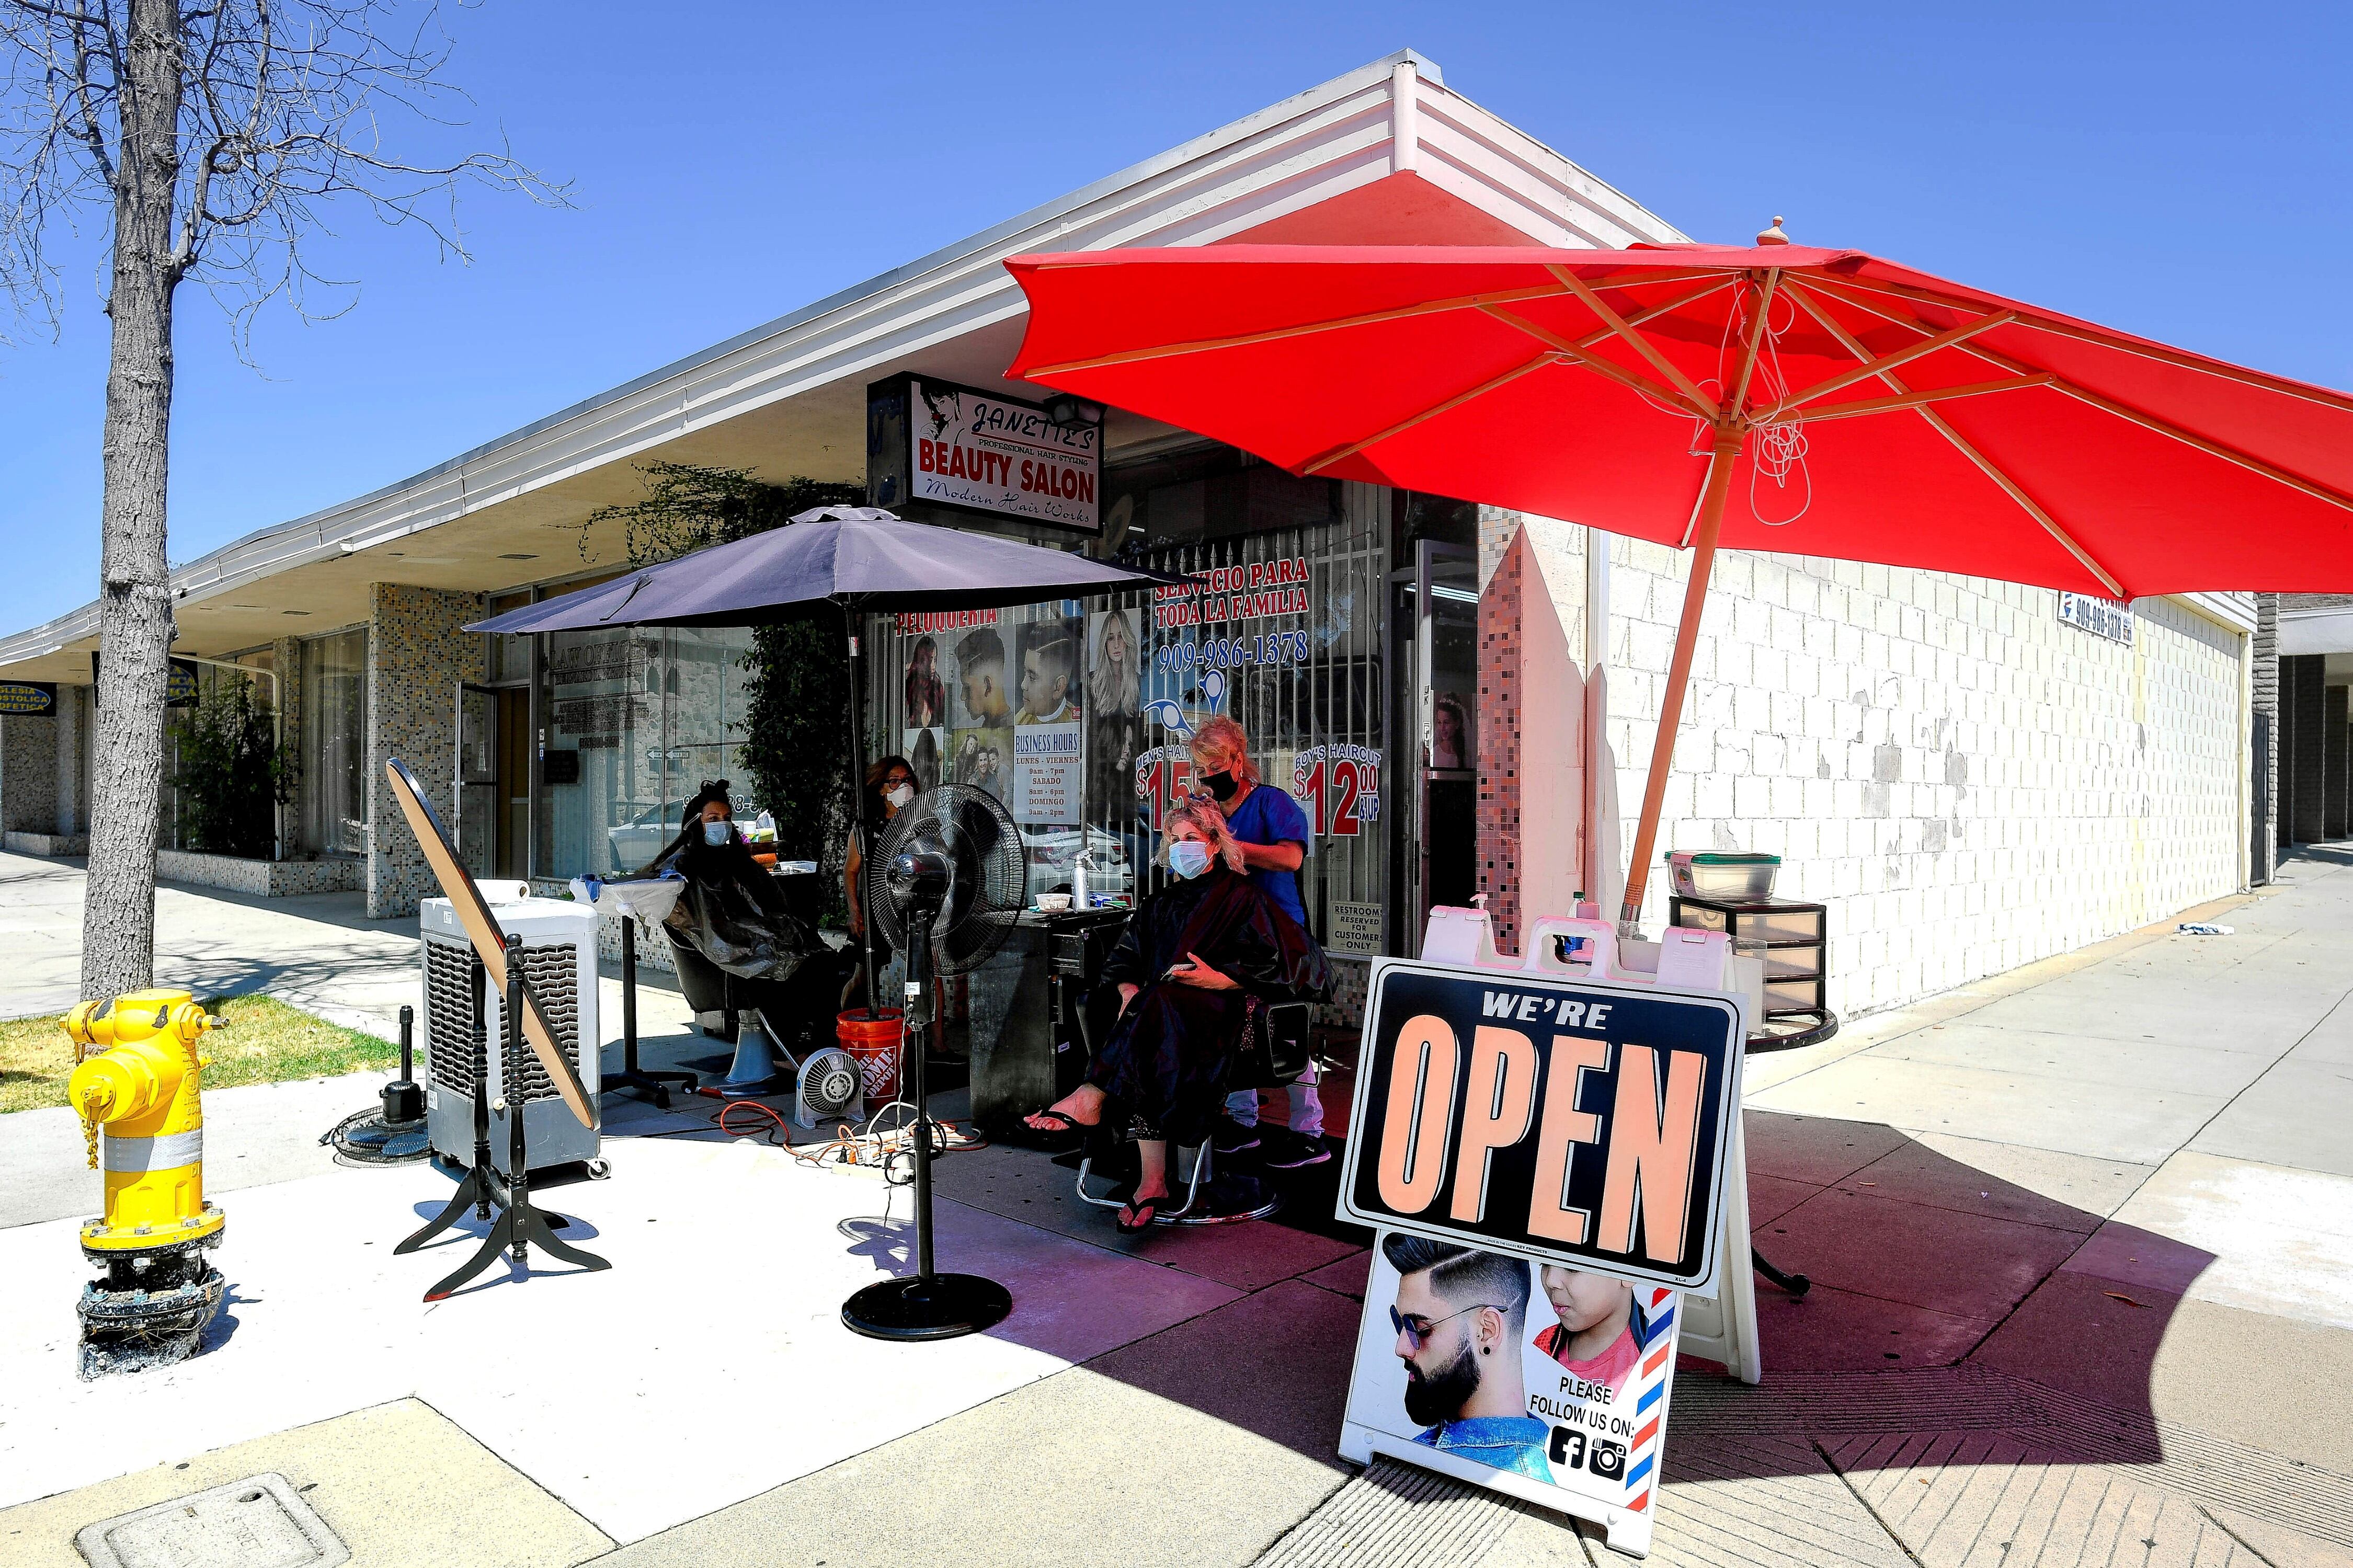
1288, 639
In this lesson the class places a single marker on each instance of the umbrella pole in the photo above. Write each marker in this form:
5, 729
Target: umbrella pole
857, 755
1671, 699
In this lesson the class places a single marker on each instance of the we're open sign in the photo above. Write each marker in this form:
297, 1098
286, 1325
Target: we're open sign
1581, 1123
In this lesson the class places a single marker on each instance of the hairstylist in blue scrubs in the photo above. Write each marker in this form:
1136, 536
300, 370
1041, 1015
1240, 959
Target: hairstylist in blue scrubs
1272, 832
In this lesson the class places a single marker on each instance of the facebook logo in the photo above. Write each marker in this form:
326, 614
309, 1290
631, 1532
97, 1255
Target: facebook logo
1567, 1447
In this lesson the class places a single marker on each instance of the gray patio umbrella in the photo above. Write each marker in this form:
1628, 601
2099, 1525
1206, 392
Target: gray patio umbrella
858, 557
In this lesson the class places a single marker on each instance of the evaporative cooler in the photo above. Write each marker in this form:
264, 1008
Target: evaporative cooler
559, 961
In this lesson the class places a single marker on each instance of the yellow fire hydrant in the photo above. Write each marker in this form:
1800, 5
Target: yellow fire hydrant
142, 1117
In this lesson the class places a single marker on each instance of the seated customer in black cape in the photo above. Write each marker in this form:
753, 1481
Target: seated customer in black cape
1190, 960
734, 917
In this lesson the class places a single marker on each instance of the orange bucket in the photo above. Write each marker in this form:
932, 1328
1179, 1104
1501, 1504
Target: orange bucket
874, 1042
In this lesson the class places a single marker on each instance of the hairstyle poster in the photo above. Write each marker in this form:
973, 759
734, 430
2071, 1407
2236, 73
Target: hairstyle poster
925, 750
1050, 675
1114, 663
978, 677
1546, 1383
926, 689
982, 757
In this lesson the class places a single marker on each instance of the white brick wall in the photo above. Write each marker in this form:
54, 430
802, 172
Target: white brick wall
1968, 782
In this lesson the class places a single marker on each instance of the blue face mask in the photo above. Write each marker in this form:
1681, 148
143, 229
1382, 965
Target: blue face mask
1189, 858
718, 832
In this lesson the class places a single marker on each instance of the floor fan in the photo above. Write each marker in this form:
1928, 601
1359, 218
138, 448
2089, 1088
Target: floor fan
944, 886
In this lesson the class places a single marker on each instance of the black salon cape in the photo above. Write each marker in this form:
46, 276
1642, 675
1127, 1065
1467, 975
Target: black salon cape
732, 912
1166, 1061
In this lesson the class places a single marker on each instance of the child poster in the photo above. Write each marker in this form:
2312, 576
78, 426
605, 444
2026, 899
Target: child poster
1546, 1383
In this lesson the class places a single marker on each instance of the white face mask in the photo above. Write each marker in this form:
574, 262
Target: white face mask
1189, 858
898, 795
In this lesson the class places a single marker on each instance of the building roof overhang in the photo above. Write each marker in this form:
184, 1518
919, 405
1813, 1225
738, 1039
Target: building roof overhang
1385, 153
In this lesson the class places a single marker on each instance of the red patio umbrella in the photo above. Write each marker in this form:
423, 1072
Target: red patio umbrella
1780, 397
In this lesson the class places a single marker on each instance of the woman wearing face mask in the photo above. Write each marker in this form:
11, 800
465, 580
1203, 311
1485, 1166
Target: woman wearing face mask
1190, 960
732, 917
889, 786
1272, 833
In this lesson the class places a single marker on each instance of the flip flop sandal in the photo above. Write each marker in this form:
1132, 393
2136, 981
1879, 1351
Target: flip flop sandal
1147, 1208
1069, 1122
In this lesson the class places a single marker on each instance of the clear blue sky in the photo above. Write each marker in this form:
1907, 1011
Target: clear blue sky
2179, 171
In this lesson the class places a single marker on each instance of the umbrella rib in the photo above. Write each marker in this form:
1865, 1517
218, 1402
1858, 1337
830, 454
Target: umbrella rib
1886, 362
1914, 399
1565, 348
1339, 454
1757, 335
1642, 346
2131, 415
1580, 350
2323, 396
2009, 486
1276, 334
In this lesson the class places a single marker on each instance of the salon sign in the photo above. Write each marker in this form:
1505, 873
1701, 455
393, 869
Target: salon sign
1545, 1162
1570, 1122
944, 445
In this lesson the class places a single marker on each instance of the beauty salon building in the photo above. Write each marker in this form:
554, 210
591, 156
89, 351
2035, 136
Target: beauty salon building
1966, 775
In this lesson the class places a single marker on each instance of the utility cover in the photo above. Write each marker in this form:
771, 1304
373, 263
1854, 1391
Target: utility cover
258, 1522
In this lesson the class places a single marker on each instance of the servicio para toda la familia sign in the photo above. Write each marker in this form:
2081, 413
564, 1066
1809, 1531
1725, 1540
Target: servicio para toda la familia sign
1578, 1123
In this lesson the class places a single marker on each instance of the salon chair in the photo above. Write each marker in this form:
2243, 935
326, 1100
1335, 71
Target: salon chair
711, 989
1208, 1199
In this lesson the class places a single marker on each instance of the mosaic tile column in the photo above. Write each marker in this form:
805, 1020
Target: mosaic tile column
73, 784
1500, 587
417, 653
29, 772
286, 655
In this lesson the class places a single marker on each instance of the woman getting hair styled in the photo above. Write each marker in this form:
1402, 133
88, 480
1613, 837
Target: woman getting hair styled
1193, 957
734, 917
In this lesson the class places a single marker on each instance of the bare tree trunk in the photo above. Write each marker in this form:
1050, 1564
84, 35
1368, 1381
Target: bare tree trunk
118, 928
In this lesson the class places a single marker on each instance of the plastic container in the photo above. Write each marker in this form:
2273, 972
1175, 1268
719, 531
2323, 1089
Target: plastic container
873, 1043
1734, 875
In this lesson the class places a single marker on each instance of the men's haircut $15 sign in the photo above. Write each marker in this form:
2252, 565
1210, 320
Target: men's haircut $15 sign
1576, 1123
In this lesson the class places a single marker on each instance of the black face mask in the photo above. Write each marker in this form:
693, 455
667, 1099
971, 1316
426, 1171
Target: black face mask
1221, 786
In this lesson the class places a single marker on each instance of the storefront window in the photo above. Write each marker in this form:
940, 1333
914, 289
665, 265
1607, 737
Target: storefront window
510, 657
334, 744
632, 723
1076, 714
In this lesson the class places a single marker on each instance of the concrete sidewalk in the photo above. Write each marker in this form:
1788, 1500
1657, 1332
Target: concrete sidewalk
2081, 1237
320, 950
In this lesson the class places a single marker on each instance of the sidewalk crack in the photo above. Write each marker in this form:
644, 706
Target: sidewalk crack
1856, 1493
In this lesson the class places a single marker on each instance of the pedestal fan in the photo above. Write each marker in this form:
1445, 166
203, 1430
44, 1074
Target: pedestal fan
944, 886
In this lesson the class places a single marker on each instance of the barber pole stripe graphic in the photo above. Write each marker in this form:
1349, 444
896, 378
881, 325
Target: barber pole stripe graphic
1658, 1357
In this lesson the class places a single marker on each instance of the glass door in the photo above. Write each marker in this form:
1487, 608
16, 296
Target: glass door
1437, 618
477, 778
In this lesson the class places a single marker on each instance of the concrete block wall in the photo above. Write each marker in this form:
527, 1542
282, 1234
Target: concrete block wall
1967, 781
2264, 683
417, 653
